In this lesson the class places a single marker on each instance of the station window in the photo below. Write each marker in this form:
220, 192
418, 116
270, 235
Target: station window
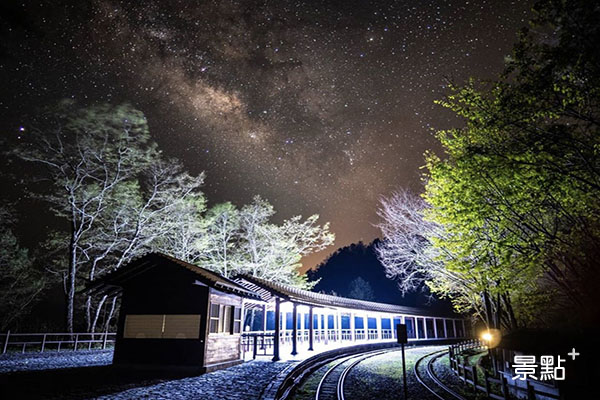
450, 328
215, 312
161, 326
225, 319
237, 320
439, 325
420, 328
429, 328
410, 327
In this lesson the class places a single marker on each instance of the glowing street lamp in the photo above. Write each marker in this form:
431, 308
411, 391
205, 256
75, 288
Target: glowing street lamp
491, 337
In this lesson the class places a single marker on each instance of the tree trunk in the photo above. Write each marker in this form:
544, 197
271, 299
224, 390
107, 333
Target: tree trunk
88, 313
498, 316
71, 280
110, 313
510, 312
488, 309
97, 313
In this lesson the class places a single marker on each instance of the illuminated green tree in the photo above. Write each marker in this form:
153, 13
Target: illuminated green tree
518, 189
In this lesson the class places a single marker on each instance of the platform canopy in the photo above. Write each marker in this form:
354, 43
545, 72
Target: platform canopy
269, 290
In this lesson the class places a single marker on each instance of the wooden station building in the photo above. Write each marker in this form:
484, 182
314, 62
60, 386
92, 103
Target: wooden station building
177, 315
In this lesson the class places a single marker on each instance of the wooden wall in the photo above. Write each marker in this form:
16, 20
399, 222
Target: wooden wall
221, 347
164, 289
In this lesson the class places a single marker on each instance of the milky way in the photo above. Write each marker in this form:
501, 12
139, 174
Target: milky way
320, 107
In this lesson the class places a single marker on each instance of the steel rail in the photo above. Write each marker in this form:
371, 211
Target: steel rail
429, 369
355, 358
346, 371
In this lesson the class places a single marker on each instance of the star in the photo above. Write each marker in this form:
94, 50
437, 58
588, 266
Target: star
307, 101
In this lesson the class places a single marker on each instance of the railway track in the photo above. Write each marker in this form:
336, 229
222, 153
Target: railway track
423, 370
331, 385
331, 369
335, 362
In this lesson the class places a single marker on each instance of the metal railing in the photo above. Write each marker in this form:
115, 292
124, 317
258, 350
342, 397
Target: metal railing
346, 334
373, 334
260, 343
387, 334
55, 341
359, 334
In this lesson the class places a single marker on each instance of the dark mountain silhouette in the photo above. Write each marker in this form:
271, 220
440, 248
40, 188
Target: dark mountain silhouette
339, 274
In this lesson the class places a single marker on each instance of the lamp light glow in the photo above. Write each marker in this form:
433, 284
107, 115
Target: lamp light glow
491, 337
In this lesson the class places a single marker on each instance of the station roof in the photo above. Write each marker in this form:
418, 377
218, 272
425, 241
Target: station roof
113, 281
269, 290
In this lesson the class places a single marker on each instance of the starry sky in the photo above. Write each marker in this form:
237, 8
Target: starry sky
318, 106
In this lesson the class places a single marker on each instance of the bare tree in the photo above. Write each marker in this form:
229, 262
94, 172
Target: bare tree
360, 289
246, 241
160, 214
406, 251
86, 154
274, 251
221, 252
111, 184
411, 254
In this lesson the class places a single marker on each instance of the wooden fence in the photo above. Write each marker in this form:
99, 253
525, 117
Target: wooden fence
55, 341
502, 386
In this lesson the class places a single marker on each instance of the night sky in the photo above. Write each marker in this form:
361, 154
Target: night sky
320, 107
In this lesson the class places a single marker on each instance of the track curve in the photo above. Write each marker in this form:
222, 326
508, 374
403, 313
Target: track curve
430, 381
331, 385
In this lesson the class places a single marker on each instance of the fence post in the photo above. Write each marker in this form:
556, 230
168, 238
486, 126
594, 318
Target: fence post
76, 340
6, 342
254, 346
104, 341
43, 343
474, 373
530, 391
487, 382
504, 386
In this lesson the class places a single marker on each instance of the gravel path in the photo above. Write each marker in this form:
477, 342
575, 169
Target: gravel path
88, 374
12, 362
242, 382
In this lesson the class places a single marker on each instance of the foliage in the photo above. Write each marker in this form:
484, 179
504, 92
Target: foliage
109, 182
410, 257
121, 198
361, 289
518, 189
246, 241
20, 282
509, 223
